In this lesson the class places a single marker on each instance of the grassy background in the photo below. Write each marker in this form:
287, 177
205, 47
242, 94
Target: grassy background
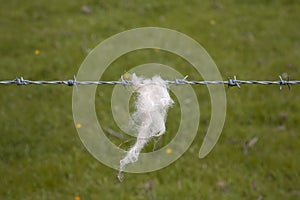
41, 156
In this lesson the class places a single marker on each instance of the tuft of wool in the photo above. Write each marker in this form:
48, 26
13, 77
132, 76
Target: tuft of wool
151, 106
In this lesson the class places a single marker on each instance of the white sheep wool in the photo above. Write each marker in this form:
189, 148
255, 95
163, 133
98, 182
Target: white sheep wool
151, 106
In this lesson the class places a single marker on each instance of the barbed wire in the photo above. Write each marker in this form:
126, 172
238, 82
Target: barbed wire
230, 82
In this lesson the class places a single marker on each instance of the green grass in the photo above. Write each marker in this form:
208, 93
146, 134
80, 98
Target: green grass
41, 155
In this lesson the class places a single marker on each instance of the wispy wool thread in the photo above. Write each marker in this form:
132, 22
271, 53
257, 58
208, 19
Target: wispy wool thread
151, 106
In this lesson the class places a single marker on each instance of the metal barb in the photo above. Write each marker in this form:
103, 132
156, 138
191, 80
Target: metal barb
181, 81
75, 83
284, 82
71, 82
124, 82
233, 82
20, 81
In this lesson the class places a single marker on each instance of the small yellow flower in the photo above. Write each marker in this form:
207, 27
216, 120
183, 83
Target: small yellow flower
77, 198
126, 75
78, 125
37, 52
168, 150
212, 22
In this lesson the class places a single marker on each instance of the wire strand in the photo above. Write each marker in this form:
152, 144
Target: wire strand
230, 82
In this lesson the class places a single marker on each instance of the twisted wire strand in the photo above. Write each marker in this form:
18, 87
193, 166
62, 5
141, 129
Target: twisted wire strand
230, 82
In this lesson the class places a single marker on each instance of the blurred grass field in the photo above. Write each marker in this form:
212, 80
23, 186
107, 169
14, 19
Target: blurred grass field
41, 155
